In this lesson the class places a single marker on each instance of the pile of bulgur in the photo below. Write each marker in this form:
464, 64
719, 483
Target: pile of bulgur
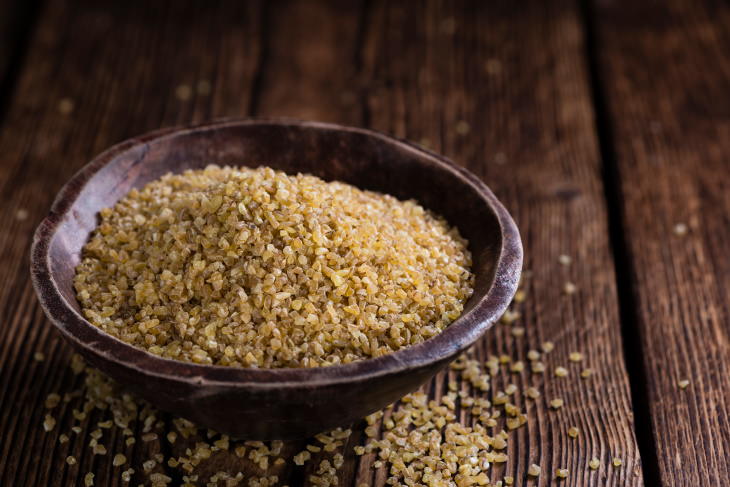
257, 268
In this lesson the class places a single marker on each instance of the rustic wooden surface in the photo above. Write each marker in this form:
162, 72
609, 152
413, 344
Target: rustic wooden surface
554, 105
665, 68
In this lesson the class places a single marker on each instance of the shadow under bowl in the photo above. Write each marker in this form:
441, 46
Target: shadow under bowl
277, 403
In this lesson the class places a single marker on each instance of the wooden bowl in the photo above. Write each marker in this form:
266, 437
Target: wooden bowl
277, 403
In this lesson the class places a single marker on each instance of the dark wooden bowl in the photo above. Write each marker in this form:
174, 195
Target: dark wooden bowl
277, 403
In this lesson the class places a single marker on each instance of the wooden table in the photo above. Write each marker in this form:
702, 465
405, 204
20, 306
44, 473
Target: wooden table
604, 127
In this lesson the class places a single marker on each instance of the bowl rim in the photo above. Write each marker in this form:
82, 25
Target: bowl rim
458, 336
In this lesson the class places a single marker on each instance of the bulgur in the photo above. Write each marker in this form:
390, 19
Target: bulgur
256, 268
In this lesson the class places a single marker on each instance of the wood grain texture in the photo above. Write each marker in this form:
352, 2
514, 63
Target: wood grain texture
521, 86
510, 102
665, 68
120, 66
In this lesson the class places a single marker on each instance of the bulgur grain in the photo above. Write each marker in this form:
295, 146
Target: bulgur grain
537, 367
561, 371
52, 400
49, 422
22, 214
65, 106
680, 229
255, 268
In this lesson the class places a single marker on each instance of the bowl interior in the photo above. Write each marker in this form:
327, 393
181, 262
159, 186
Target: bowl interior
362, 158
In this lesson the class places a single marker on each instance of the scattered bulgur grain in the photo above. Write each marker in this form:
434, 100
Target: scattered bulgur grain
548, 347
99, 449
63, 438
256, 268
509, 317
573, 432
22, 214
171, 437
537, 367
518, 331
52, 400
683, 384
49, 422
89, 479
564, 259
586, 373
561, 473
508, 480
520, 296
680, 229
119, 459
575, 357
556, 403
462, 127
39, 357
532, 393
127, 475
569, 288
183, 92
500, 158
617, 462
65, 106
71, 460
561, 371
533, 355
517, 367
533, 470
594, 463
